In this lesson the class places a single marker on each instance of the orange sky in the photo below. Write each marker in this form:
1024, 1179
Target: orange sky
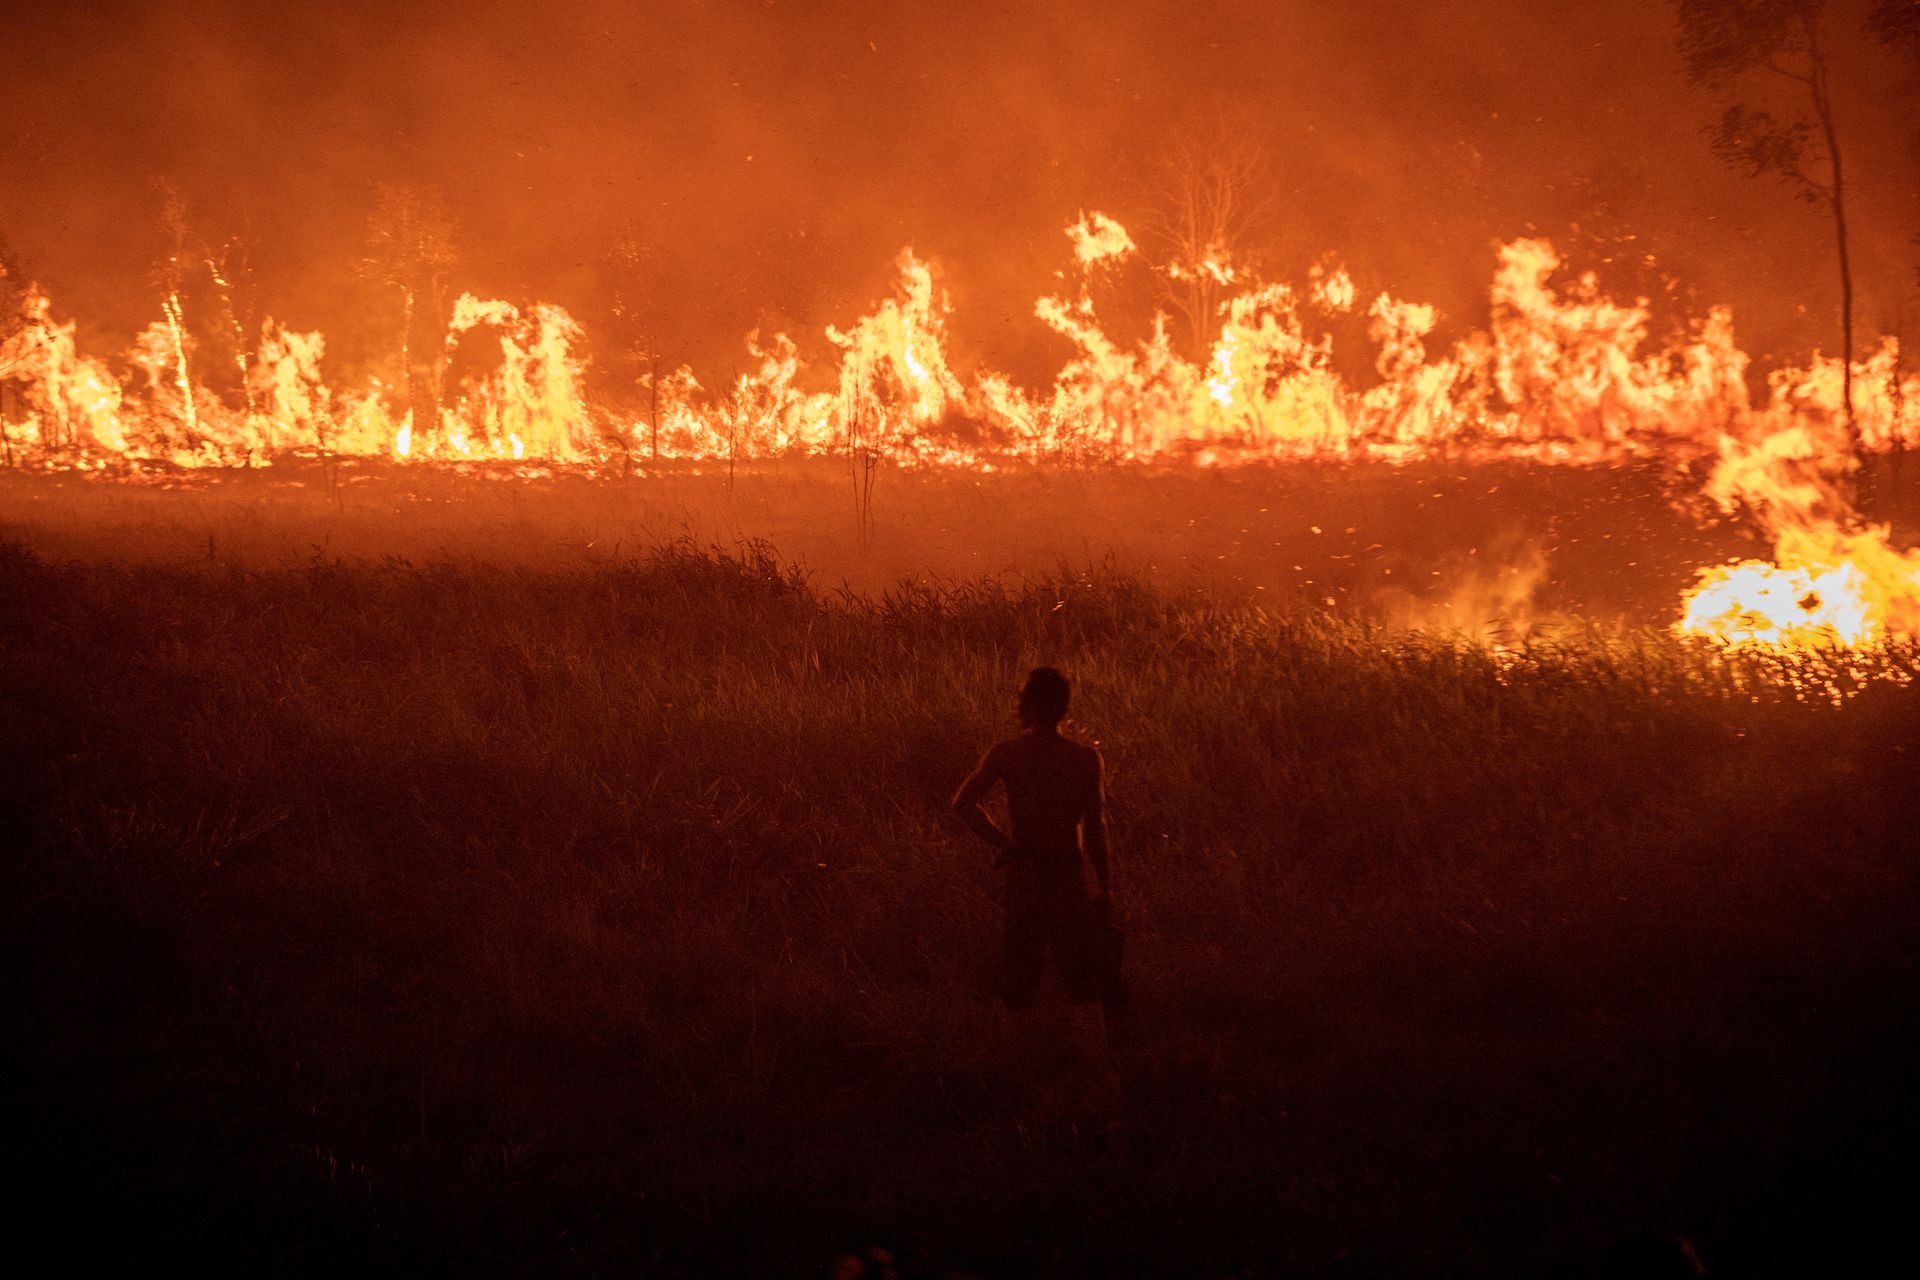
778, 154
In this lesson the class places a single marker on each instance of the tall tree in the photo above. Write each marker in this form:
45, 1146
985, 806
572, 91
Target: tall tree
641, 315
170, 273
13, 291
13, 352
1896, 24
1211, 196
410, 247
230, 269
1735, 47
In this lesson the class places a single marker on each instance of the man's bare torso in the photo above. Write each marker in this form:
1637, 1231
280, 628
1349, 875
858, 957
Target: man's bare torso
1052, 784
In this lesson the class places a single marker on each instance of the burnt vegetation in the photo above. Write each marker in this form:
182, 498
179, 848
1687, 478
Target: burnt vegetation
473, 918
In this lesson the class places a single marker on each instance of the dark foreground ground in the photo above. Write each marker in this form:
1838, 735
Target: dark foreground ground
606, 918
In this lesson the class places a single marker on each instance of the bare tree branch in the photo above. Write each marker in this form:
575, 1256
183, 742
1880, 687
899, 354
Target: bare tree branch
1211, 197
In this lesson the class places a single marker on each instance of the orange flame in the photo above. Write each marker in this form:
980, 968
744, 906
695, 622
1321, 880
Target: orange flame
1561, 374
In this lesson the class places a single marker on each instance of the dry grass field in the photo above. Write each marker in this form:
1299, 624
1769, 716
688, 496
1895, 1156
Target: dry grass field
1439, 544
435, 873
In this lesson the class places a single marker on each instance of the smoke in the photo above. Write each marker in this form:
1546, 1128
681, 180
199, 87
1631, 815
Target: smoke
1497, 598
777, 156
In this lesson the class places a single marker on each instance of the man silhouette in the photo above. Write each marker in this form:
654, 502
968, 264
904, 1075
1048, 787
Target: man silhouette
1055, 809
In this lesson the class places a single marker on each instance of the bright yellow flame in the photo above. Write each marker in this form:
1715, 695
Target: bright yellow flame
1099, 239
1825, 588
1562, 374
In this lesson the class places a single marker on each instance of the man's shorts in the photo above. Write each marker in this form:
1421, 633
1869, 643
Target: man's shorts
1047, 914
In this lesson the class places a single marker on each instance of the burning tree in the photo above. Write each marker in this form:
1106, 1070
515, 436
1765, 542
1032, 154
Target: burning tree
13, 319
1749, 46
1210, 200
641, 315
167, 346
410, 247
230, 269
70, 401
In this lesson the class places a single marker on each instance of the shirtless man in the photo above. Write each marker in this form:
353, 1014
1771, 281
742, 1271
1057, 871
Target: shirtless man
1054, 802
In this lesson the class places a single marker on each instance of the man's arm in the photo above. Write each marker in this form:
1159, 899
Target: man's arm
966, 803
1093, 828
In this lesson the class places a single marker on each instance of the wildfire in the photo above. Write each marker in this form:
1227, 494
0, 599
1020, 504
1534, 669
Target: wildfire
1755, 602
1835, 580
1098, 238
1562, 374
1826, 586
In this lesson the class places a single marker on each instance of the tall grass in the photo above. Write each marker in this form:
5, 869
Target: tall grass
459, 917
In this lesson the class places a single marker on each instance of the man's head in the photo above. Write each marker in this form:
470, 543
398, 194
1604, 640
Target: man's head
1043, 698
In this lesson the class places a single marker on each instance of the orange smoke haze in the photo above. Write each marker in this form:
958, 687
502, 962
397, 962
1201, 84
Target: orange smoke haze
772, 155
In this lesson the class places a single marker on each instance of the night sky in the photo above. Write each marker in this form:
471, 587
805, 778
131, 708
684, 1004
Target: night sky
778, 155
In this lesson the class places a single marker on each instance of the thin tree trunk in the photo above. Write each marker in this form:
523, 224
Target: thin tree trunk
240, 355
423, 374
653, 395
406, 361
1897, 398
1837, 199
182, 376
